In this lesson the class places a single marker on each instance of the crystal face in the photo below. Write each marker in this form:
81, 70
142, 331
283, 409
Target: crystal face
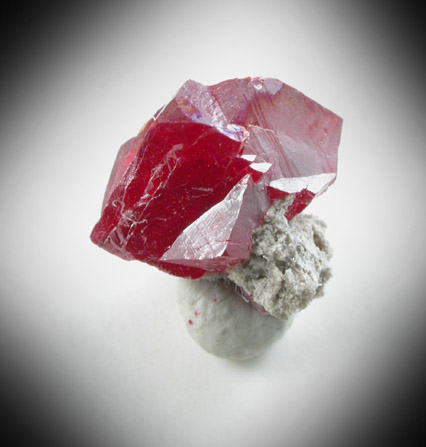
186, 193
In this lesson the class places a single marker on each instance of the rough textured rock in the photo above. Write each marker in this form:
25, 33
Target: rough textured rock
288, 264
222, 323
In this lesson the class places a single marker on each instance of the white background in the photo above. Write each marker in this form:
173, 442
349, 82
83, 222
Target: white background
101, 339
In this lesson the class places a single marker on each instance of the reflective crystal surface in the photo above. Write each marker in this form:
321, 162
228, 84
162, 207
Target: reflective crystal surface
187, 192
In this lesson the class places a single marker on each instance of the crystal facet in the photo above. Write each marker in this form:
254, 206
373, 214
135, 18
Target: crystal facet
186, 193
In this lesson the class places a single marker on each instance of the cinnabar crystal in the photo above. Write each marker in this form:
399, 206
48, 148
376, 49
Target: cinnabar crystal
186, 193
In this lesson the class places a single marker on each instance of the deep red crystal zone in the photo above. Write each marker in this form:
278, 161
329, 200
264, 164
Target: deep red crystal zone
186, 193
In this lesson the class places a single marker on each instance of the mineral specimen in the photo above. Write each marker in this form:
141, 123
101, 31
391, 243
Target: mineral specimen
186, 193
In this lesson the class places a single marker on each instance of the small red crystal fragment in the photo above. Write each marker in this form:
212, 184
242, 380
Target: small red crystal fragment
186, 193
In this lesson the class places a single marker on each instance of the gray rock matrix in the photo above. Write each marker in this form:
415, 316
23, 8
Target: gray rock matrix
288, 264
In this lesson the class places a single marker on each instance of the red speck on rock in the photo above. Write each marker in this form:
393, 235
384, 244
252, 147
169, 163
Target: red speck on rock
186, 193
190, 322
197, 314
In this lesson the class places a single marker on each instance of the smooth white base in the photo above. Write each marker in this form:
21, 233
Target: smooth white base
222, 323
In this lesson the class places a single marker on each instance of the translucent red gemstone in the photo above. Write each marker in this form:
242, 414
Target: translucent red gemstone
186, 193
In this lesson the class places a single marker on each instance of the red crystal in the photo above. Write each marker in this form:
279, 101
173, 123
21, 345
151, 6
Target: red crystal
186, 193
